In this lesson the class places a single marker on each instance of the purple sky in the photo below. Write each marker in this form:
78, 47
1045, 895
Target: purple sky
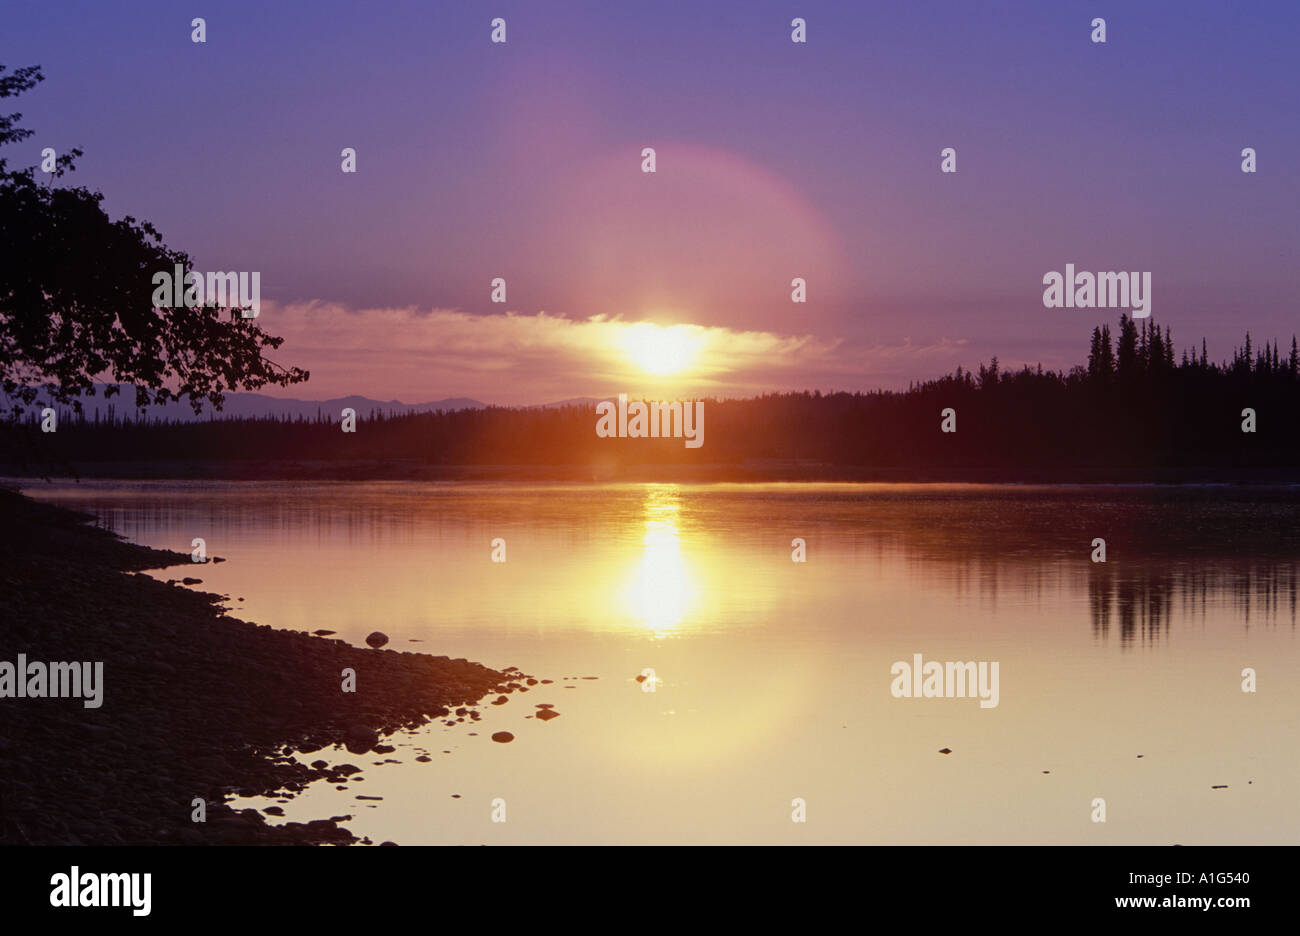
775, 160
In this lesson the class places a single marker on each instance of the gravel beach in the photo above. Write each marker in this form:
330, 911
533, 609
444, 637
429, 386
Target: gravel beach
196, 703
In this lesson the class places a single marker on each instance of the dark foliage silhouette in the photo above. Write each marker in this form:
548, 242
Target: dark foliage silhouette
76, 307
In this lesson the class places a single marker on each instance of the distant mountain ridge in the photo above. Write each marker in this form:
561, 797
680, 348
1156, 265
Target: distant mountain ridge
572, 401
259, 406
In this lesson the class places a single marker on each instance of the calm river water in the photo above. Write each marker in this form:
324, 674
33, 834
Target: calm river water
771, 679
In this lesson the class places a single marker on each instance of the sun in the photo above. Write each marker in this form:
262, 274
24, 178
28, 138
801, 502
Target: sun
661, 350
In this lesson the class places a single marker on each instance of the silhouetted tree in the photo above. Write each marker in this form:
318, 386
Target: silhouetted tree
76, 300
1128, 365
1096, 365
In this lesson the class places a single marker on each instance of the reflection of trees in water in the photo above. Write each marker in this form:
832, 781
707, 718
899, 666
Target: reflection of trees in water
1141, 603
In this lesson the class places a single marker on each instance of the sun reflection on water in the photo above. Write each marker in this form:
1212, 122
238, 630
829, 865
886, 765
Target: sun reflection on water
661, 591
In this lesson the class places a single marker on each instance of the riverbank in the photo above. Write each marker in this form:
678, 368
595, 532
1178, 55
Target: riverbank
196, 703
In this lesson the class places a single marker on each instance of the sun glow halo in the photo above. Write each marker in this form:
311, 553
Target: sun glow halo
662, 350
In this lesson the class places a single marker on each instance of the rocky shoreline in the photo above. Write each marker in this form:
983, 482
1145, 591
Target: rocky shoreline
196, 703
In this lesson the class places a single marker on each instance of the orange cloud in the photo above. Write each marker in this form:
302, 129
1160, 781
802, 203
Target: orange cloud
517, 359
